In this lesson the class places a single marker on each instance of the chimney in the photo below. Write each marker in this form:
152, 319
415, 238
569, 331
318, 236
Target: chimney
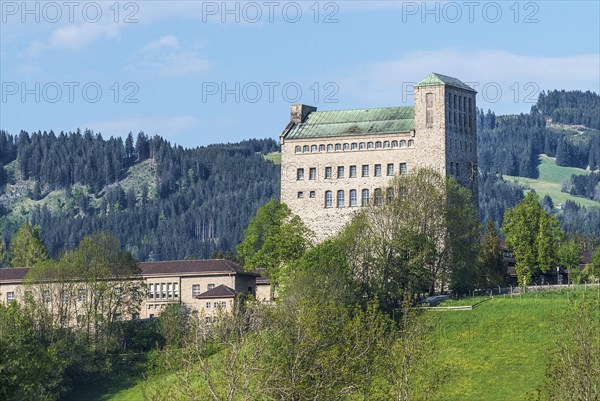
298, 112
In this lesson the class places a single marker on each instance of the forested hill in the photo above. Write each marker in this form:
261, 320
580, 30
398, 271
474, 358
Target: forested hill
564, 125
162, 201
167, 202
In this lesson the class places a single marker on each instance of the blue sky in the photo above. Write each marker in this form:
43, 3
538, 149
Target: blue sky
205, 72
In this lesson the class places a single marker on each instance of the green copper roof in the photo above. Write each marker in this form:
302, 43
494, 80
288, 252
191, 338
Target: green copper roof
385, 120
439, 79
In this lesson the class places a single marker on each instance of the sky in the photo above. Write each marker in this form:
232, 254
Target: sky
202, 72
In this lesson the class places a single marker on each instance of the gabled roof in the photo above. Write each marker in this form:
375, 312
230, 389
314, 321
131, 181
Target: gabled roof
434, 79
175, 267
221, 291
335, 123
13, 274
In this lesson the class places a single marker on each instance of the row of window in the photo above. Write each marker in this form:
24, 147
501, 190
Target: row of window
352, 171
365, 197
163, 291
216, 304
460, 111
82, 295
355, 146
196, 290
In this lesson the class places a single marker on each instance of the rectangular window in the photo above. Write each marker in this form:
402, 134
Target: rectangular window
312, 173
150, 291
170, 290
429, 109
211, 286
216, 304
175, 290
403, 168
300, 174
340, 172
223, 304
353, 198
352, 171
46, 296
10, 296
300, 194
163, 290
365, 170
328, 173
82, 295
390, 169
378, 170
195, 290
208, 305
313, 194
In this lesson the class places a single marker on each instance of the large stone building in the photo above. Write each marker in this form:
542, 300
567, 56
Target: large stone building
336, 161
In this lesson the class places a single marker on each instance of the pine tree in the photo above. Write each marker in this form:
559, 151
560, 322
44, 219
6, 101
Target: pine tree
26, 247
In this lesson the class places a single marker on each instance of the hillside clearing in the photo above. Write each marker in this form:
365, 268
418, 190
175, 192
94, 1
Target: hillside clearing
550, 182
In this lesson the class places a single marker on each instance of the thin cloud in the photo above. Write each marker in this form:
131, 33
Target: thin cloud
517, 78
166, 56
73, 37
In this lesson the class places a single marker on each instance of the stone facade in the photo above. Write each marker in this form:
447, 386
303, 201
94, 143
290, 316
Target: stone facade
441, 135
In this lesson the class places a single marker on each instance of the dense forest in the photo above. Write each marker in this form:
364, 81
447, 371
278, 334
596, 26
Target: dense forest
166, 202
198, 203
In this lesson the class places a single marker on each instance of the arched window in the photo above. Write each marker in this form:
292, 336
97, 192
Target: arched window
330, 148
365, 197
321, 148
353, 198
386, 144
340, 198
394, 144
378, 197
346, 146
298, 149
313, 148
377, 145
354, 146
402, 144
338, 147
370, 145
328, 199
411, 143
390, 195
361, 146
305, 149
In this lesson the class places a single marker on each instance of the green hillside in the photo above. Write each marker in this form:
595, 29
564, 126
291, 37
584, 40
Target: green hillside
495, 352
550, 181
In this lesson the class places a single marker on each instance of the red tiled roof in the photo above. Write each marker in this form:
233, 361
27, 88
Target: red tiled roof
191, 267
13, 273
221, 291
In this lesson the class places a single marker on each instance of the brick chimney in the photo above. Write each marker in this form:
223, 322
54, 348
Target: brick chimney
298, 112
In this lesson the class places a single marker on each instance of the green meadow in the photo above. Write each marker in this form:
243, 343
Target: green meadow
550, 182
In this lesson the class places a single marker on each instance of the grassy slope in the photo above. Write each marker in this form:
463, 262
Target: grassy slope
496, 352
550, 181
275, 157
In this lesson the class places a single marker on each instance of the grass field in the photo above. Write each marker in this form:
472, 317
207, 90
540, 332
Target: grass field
495, 352
550, 182
275, 157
